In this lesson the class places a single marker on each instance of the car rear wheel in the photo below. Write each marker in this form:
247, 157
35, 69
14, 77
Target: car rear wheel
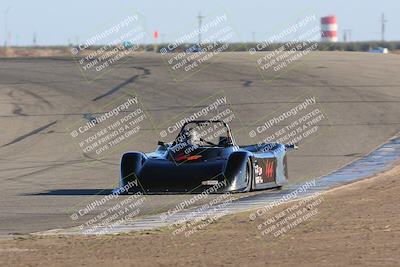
249, 176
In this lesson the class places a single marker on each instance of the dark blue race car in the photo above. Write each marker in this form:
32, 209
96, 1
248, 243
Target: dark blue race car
204, 156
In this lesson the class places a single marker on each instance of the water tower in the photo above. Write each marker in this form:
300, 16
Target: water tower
329, 29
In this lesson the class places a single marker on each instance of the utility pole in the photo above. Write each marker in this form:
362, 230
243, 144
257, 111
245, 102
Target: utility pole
253, 36
200, 18
6, 33
346, 35
34, 39
383, 22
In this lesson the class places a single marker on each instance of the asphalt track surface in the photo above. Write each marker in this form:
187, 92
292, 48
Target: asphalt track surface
45, 177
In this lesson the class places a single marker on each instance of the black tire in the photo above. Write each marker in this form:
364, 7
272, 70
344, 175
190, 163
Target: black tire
249, 175
129, 167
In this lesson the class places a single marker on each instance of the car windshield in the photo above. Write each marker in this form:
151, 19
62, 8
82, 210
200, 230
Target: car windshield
204, 133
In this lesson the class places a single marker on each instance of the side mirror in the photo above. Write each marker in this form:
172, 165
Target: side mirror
161, 143
291, 147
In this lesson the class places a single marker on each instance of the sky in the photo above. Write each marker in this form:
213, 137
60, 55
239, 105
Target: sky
61, 22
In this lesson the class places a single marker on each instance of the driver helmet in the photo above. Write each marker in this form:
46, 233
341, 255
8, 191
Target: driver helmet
193, 137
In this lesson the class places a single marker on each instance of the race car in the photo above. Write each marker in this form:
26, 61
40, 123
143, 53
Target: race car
205, 157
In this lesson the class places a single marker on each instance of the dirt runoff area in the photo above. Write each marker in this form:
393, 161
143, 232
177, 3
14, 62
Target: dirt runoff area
357, 224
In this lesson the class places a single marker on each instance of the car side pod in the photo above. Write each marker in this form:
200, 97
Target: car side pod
236, 172
131, 163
